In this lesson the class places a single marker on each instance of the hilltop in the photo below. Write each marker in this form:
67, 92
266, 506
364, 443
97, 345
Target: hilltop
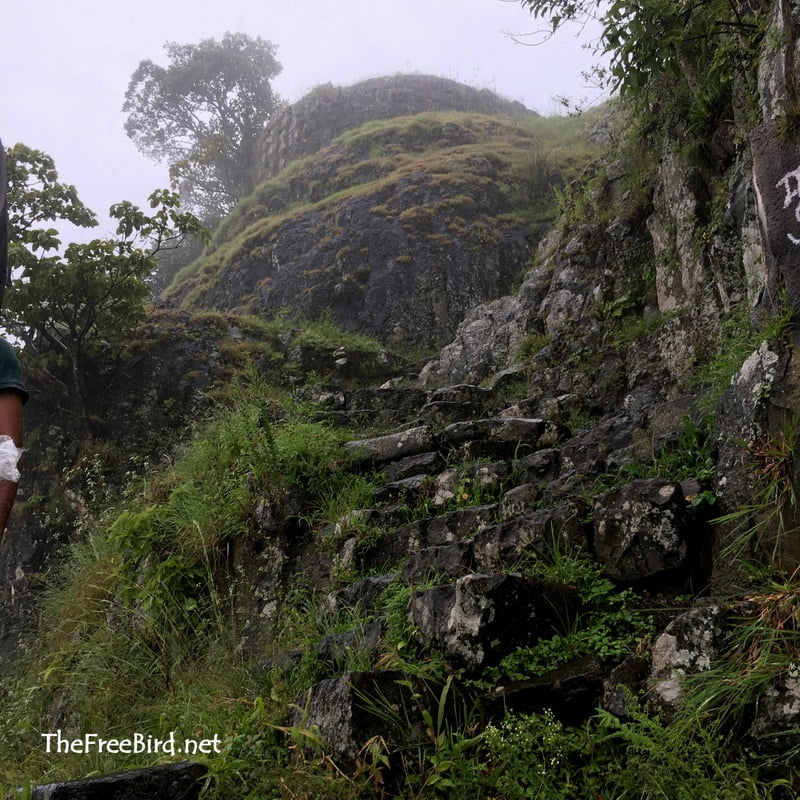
328, 111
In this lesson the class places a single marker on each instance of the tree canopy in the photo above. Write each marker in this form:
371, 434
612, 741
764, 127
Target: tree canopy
203, 113
689, 50
64, 306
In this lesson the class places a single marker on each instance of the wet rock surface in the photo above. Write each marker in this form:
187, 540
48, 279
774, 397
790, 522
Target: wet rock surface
171, 782
641, 529
480, 618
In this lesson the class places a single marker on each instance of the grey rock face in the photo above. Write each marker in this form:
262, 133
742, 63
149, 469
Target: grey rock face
485, 342
396, 281
672, 230
404, 490
745, 411
604, 445
498, 429
393, 446
402, 252
573, 283
170, 782
541, 466
480, 618
534, 534
447, 561
422, 464
339, 710
392, 403
640, 529
689, 645
777, 720
519, 499
776, 181
623, 684
450, 404
496, 437
775, 73
441, 531
553, 294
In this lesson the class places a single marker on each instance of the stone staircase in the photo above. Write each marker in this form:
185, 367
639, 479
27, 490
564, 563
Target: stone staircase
488, 491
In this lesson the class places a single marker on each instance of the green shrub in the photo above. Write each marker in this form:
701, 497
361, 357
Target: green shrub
609, 627
536, 756
325, 333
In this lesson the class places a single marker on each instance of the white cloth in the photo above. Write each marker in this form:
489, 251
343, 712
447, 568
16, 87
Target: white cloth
9, 456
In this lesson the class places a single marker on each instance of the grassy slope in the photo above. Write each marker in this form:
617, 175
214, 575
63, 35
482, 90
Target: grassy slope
530, 154
137, 636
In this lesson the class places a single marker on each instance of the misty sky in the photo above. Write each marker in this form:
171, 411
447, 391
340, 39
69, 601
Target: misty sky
66, 65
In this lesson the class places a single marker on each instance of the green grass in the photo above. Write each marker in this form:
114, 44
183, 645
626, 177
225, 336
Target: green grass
738, 337
324, 333
138, 632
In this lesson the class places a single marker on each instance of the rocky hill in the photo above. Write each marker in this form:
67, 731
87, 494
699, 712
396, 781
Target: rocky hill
558, 560
329, 111
397, 226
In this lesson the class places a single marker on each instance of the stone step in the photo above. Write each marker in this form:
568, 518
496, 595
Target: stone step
165, 782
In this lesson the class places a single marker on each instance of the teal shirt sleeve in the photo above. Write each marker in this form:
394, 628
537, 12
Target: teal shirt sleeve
10, 372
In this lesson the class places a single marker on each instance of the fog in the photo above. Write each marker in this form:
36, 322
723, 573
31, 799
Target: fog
66, 65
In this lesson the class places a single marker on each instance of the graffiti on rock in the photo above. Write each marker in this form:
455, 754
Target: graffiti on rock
790, 183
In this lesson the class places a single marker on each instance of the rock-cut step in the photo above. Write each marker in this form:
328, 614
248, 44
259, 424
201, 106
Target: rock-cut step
164, 782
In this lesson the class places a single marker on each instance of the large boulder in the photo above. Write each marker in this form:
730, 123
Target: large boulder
349, 712
481, 618
641, 529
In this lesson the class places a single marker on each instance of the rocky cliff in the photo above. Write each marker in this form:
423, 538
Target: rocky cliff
398, 226
560, 558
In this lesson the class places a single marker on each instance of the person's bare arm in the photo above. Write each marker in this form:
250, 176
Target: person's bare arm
10, 425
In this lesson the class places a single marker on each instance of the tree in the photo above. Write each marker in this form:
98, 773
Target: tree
203, 115
690, 50
66, 306
36, 196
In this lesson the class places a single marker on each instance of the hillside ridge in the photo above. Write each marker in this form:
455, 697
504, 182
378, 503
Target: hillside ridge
396, 228
327, 111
